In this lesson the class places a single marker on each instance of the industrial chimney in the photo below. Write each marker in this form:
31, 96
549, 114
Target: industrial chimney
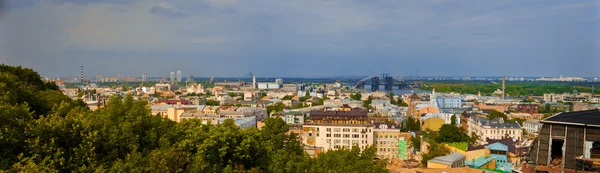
503, 87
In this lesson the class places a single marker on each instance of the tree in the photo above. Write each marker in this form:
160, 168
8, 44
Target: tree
211, 102
367, 103
416, 142
410, 124
401, 102
435, 150
356, 96
123, 136
453, 120
287, 97
495, 114
277, 107
451, 134
263, 94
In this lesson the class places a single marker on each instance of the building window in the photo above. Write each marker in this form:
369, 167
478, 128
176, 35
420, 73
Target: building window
336, 130
328, 129
346, 135
337, 135
328, 135
346, 130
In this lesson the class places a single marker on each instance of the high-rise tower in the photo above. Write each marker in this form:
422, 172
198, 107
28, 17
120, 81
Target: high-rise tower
81, 76
179, 77
172, 77
253, 80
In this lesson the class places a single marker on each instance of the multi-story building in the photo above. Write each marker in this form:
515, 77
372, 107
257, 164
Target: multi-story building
448, 102
172, 79
390, 142
144, 77
179, 77
532, 126
194, 88
338, 129
290, 87
189, 78
527, 108
268, 85
293, 118
493, 129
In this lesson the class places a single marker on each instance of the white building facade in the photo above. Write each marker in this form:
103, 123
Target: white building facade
493, 129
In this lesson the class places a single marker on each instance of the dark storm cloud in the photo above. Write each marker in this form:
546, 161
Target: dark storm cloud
305, 37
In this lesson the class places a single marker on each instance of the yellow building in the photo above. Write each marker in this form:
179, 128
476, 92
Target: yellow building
433, 124
390, 142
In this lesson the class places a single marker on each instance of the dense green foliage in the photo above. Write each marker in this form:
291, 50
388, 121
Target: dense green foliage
512, 88
356, 96
287, 97
410, 124
211, 102
435, 150
275, 107
43, 131
452, 134
495, 114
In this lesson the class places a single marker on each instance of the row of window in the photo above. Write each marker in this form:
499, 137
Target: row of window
338, 147
345, 141
345, 135
386, 150
386, 142
355, 130
386, 136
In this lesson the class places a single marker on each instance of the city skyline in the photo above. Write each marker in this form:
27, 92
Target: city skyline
231, 38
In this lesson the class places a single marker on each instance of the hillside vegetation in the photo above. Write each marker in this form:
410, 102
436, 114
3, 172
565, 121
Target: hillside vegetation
42, 130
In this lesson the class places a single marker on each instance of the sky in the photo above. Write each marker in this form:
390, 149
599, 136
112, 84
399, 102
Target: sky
303, 38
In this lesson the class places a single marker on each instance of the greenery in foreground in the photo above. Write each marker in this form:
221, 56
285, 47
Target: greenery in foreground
42, 130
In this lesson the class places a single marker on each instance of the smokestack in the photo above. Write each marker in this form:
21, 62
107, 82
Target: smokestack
503, 87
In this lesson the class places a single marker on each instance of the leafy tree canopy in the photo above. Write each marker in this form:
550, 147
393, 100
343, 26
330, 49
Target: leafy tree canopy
40, 134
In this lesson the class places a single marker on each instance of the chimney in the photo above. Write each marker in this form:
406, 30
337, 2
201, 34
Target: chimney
503, 87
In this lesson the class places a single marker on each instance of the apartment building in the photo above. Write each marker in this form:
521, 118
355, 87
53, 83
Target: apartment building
390, 142
494, 129
334, 129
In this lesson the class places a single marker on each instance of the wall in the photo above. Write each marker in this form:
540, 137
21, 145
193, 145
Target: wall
474, 154
327, 139
436, 165
433, 124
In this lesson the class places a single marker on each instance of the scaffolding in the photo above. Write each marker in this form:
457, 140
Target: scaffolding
586, 163
586, 160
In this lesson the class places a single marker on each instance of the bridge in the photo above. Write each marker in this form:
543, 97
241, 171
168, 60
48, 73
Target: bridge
388, 81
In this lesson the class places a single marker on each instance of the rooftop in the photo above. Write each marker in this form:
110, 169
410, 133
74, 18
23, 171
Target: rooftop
448, 159
590, 117
496, 123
